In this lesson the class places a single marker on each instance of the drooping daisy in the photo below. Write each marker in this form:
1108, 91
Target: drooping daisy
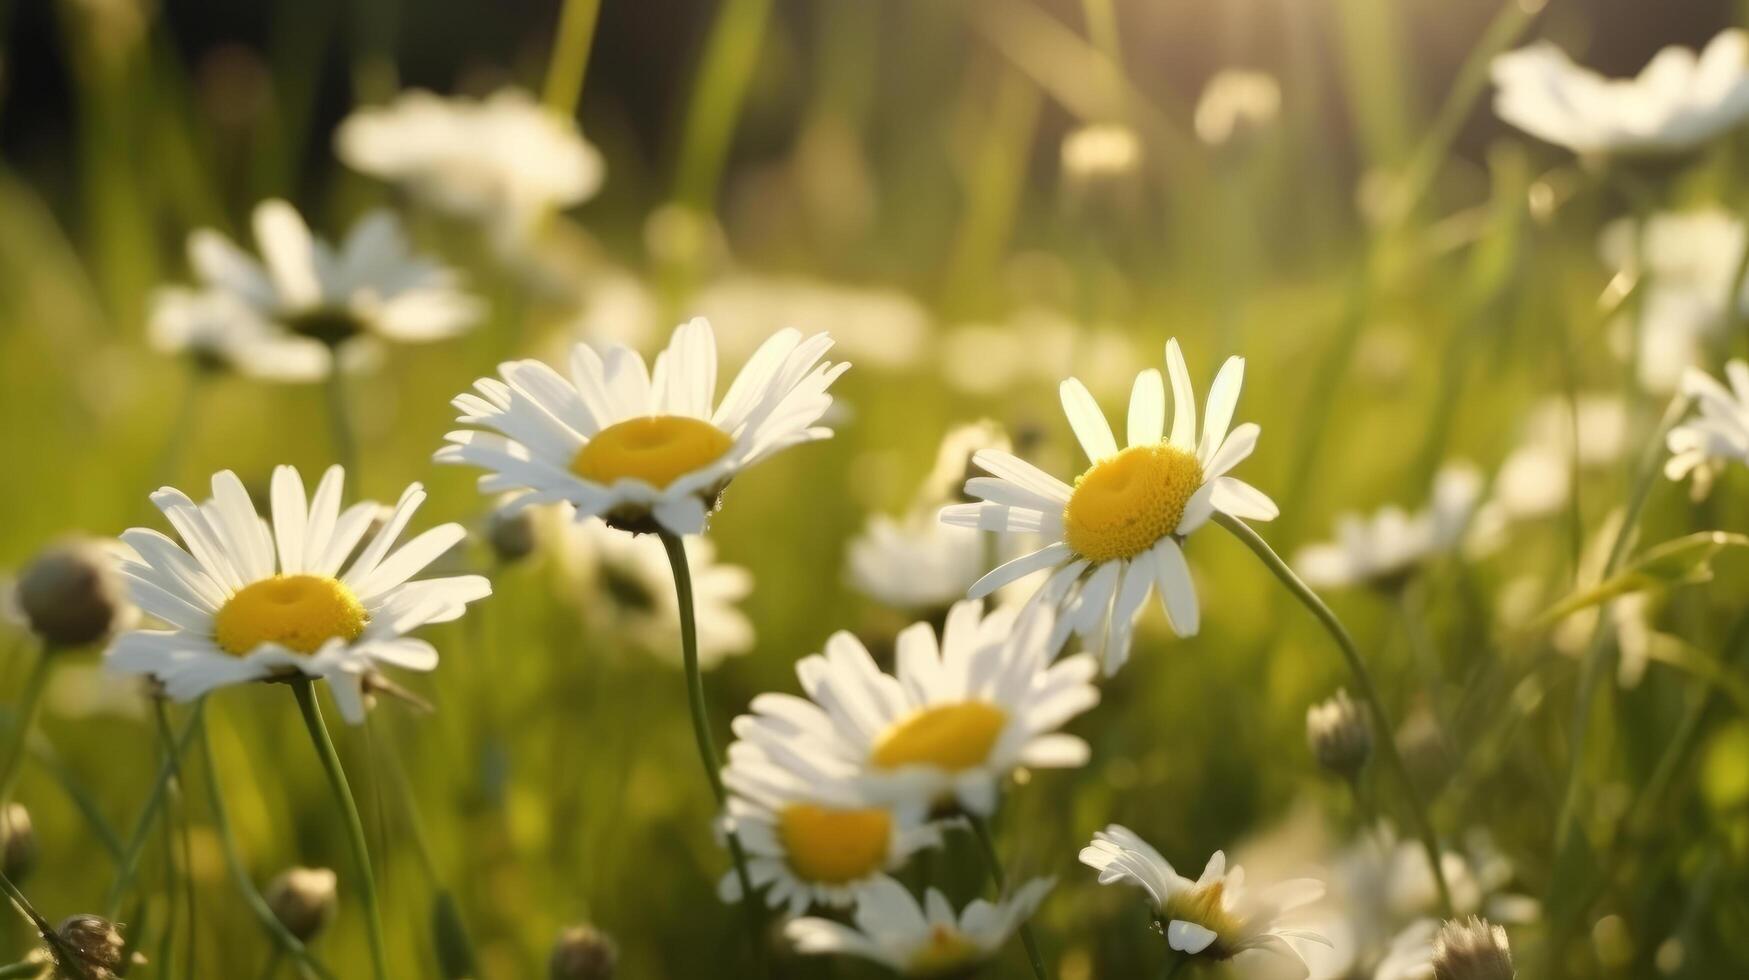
1214, 917
335, 298
1677, 102
627, 589
505, 158
218, 332
927, 940
642, 449
812, 837
1116, 533
958, 717
1386, 547
247, 599
1719, 434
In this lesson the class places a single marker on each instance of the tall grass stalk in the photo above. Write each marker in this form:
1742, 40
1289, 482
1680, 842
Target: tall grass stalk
569, 65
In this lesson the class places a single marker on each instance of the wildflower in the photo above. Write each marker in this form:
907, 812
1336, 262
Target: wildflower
1101, 159
1676, 103
1214, 917
247, 599
1340, 735
1116, 533
927, 940
217, 331
1702, 444
1684, 265
1535, 479
642, 450
1472, 950
71, 594
956, 718
583, 952
303, 900
1384, 549
1236, 104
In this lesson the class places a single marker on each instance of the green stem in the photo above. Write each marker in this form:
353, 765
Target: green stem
66, 959
23, 968
981, 830
304, 688
1385, 743
282, 937
127, 866
340, 423
726, 68
570, 59
1174, 963
450, 932
701, 725
24, 721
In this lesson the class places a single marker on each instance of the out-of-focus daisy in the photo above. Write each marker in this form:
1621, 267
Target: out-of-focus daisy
1685, 264
1386, 547
1677, 102
1236, 103
927, 940
1630, 616
1701, 445
252, 599
1100, 157
810, 836
370, 287
1116, 533
876, 327
1214, 917
627, 589
955, 719
218, 332
503, 159
915, 563
641, 449
1535, 479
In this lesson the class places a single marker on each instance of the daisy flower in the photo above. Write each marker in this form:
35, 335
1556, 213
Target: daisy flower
1385, 548
218, 332
1683, 265
1214, 917
642, 449
1702, 444
914, 563
628, 589
1115, 535
502, 158
1677, 102
927, 940
958, 717
332, 298
248, 599
811, 837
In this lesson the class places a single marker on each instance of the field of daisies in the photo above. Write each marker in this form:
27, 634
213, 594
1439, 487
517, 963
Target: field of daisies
1042, 489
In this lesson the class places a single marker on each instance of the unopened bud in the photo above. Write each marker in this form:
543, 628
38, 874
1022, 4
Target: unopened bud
511, 534
1340, 735
303, 900
71, 594
1472, 949
18, 845
96, 943
583, 953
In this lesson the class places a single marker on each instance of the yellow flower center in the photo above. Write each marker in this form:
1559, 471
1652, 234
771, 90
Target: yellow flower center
831, 846
298, 612
1123, 505
1204, 907
948, 736
947, 950
656, 449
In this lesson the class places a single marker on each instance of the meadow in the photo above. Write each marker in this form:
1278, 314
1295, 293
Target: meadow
1427, 610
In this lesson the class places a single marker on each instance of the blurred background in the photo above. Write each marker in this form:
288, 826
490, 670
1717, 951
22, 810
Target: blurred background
929, 181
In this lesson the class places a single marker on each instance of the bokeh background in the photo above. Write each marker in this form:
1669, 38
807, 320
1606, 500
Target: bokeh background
906, 153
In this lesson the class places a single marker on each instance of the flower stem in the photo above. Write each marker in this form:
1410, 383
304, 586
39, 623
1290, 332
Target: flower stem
570, 59
67, 961
725, 69
340, 422
1386, 743
701, 726
304, 688
129, 863
981, 829
24, 721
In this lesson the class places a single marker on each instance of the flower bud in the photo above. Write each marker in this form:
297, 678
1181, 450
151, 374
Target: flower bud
18, 844
303, 900
583, 953
97, 944
1473, 949
1340, 735
71, 594
511, 534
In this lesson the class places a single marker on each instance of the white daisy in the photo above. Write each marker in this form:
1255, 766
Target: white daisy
505, 158
812, 836
627, 589
1684, 265
958, 717
642, 449
1386, 547
218, 332
914, 563
927, 940
1703, 444
1213, 917
1116, 533
1535, 479
1236, 103
1677, 102
251, 599
370, 287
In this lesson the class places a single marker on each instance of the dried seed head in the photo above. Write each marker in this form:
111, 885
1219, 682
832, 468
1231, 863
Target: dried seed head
71, 594
1472, 949
1340, 735
303, 900
96, 942
583, 953
512, 534
18, 844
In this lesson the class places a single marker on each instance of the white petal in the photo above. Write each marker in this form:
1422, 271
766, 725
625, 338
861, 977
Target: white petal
1177, 592
1183, 399
1147, 408
1091, 429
